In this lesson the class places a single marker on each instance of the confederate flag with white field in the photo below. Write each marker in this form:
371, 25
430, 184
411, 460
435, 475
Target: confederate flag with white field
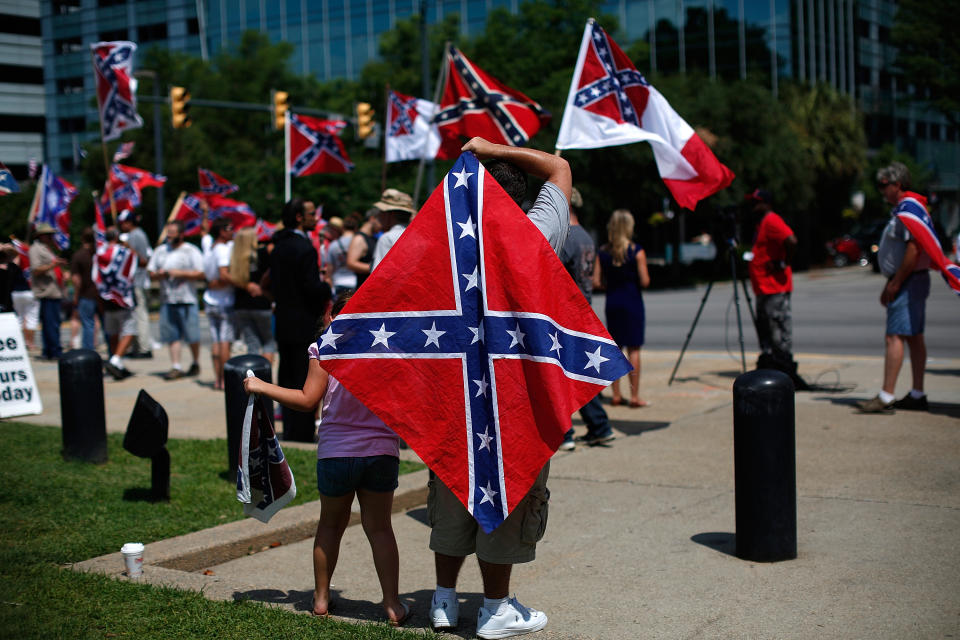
611, 103
411, 134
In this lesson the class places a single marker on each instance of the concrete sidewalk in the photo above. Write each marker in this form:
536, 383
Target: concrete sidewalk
641, 533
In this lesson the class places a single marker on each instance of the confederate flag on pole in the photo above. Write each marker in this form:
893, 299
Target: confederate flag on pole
411, 134
912, 212
116, 87
611, 103
51, 204
475, 361
477, 104
191, 210
239, 213
212, 183
315, 146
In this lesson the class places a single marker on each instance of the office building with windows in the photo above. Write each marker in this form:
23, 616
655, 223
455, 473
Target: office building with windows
845, 43
21, 86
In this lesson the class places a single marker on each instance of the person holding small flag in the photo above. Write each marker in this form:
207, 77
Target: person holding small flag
137, 239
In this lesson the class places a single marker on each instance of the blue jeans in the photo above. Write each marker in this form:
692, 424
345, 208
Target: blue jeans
595, 418
87, 312
50, 325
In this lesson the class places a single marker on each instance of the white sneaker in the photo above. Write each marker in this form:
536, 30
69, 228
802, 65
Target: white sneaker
568, 445
514, 620
444, 612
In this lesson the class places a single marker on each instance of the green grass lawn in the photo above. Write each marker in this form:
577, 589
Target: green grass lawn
54, 512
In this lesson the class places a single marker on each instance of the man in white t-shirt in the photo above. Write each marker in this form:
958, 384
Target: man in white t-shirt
218, 298
178, 265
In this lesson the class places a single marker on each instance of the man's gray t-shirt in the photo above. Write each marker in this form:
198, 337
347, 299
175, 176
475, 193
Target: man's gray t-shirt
137, 239
578, 255
551, 214
893, 246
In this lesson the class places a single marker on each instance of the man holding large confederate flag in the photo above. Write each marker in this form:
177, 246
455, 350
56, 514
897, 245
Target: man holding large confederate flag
456, 533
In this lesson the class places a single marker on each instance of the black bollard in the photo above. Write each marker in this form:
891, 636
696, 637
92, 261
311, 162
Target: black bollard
82, 414
765, 466
234, 371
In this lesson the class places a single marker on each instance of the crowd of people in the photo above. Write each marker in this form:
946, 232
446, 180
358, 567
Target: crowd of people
276, 297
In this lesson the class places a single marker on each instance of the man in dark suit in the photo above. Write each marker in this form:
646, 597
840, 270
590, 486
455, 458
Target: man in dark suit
301, 298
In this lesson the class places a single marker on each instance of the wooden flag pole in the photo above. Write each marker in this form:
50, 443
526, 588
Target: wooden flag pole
170, 218
441, 82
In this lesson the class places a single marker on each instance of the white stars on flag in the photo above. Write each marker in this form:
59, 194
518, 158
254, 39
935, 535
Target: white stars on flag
433, 336
381, 336
488, 493
482, 386
517, 336
471, 279
595, 360
555, 346
329, 338
462, 178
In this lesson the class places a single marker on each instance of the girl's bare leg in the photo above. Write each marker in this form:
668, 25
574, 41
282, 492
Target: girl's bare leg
334, 517
375, 511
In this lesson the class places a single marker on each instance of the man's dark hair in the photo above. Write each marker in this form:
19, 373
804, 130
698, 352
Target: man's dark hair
87, 237
513, 181
219, 225
291, 210
179, 225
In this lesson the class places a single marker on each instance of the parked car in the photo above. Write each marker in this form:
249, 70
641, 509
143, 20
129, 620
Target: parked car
859, 246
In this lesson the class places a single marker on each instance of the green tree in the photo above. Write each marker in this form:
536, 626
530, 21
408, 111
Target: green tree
925, 32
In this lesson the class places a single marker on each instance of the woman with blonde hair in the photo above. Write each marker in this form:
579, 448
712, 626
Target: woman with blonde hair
252, 309
621, 269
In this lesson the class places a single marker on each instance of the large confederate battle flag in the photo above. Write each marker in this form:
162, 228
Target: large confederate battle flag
191, 210
472, 343
116, 87
239, 213
316, 147
113, 272
51, 204
912, 212
475, 103
611, 103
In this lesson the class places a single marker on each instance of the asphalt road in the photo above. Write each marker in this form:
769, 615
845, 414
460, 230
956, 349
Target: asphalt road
835, 311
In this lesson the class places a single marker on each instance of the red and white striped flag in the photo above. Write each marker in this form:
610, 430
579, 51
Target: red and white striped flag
611, 103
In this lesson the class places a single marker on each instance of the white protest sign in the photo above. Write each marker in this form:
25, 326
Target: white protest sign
18, 388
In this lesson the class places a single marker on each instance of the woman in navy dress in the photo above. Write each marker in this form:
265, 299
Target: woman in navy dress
621, 268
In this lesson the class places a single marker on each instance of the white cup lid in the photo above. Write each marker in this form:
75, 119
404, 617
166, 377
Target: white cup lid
132, 547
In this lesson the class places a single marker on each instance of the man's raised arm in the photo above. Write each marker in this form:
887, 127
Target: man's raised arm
543, 165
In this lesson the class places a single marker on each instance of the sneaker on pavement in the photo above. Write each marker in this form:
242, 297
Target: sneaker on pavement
194, 370
444, 612
592, 439
875, 405
568, 445
909, 403
514, 619
118, 373
174, 374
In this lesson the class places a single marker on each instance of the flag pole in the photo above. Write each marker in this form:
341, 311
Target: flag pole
386, 119
287, 178
441, 82
35, 203
173, 212
103, 146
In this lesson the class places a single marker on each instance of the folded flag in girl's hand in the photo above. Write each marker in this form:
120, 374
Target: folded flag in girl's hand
265, 481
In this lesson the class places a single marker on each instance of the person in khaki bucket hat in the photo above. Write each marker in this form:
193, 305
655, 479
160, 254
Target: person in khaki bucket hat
396, 210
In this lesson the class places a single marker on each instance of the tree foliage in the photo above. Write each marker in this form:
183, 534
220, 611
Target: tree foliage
925, 33
807, 147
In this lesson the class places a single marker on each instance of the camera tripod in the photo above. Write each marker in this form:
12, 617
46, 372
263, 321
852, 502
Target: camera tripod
731, 246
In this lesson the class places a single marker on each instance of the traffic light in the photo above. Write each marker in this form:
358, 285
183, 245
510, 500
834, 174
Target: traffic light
364, 120
180, 107
280, 107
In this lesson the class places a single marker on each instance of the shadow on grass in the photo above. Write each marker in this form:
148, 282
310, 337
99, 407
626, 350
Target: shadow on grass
718, 541
141, 494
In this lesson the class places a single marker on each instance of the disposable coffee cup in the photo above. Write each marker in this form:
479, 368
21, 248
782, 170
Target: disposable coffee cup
133, 558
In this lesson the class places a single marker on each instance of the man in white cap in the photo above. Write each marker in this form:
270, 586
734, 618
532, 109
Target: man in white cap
396, 210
